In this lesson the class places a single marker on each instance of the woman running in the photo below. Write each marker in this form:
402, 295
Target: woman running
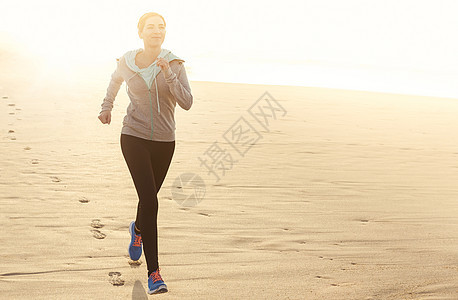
155, 81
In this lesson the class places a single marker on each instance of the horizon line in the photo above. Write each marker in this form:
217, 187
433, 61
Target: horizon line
329, 88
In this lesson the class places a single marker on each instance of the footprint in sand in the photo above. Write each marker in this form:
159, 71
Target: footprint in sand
135, 263
10, 131
5, 97
27, 148
96, 224
83, 200
97, 234
55, 179
11, 104
115, 278
34, 161
321, 257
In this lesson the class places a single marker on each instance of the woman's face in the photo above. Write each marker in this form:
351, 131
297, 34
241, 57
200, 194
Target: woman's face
153, 32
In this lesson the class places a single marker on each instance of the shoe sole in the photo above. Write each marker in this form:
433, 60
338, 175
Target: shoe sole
128, 248
160, 289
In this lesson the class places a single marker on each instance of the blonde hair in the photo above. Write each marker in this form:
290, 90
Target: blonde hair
141, 22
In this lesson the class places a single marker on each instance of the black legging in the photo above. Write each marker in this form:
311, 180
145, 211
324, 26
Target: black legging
148, 163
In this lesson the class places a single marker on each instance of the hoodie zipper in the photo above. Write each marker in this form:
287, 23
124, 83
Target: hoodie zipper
150, 100
151, 109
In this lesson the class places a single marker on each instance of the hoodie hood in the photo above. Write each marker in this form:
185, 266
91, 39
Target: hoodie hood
149, 73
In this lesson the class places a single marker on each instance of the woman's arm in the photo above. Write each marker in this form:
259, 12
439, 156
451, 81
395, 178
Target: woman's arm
179, 87
112, 90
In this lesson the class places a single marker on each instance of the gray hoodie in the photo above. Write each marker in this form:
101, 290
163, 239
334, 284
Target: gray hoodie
150, 113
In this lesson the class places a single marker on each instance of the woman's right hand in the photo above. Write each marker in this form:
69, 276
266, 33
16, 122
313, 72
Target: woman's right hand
105, 117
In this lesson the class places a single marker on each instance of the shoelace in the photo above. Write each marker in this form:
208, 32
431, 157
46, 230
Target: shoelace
138, 241
156, 276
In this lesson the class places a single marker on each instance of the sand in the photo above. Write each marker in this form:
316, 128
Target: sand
346, 195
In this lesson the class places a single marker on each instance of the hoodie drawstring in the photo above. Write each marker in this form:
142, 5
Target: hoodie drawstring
149, 93
136, 73
157, 91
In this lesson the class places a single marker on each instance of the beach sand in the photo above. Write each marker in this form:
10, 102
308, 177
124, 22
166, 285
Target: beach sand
345, 195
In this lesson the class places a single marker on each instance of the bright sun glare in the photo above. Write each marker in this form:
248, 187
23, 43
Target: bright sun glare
297, 42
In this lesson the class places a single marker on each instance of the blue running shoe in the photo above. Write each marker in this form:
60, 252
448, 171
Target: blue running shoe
155, 283
135, 246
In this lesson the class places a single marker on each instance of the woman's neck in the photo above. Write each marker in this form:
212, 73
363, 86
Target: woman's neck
151, 51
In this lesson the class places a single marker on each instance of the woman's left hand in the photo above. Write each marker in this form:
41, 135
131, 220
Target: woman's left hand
165, 66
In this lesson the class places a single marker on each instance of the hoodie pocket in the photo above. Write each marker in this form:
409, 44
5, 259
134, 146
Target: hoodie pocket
138, 120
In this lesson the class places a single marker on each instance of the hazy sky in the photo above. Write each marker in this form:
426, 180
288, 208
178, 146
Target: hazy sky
274, 37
